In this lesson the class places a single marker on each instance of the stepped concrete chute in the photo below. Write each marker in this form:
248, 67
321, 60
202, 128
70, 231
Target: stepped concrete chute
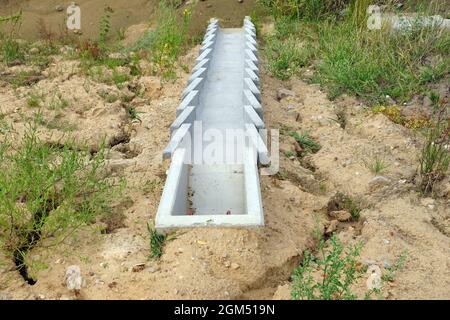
215, 144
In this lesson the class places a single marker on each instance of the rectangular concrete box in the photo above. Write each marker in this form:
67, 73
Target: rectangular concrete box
226, 98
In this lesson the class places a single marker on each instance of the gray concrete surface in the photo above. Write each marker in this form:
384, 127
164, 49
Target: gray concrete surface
222, 96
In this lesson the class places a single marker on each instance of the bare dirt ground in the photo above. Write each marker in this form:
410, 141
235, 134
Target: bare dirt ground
236, 263
52, 14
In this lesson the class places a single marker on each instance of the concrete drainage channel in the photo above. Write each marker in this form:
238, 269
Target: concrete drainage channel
215, 144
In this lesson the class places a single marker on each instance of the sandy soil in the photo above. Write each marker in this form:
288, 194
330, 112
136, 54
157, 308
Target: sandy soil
125, 14
238, 263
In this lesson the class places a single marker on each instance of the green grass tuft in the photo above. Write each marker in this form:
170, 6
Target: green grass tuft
156, 242
378, 166
329, 275
47, 191
435, 156
308, 144
349, 58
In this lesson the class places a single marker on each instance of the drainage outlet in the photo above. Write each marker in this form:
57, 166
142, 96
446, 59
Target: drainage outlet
216, 145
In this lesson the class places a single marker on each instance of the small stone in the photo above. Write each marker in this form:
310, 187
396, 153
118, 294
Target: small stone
118, 55
320, 120
227, 264
138, 267
66, 50
298, 149
341, 215
387, 264
153, 269
34, 50
332, 227
386, 241
235, 266
427, 202
374, 280
240, 1
283, 93
347, 163
73, 278
390, 101
104, 264
427, 102
378, 182
59, 8
369, 262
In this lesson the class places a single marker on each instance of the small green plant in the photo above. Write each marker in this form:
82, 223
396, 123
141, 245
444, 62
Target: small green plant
308, 144
151, 185
434, 97
389, 276
156, 242
341, 118
47, 191
435, 155
342, 201
329, 275
23, 78
119, 78
11, 51
353, 207
378, 166
289, 154
282, 174
42, 58
111, 98
133, 114
165, 44
62, 125
121, 33
358, 12
168, 39
312, 10
4, 125
105, 26
286, 57
57, 101
34, 100
15, 18
323, 187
